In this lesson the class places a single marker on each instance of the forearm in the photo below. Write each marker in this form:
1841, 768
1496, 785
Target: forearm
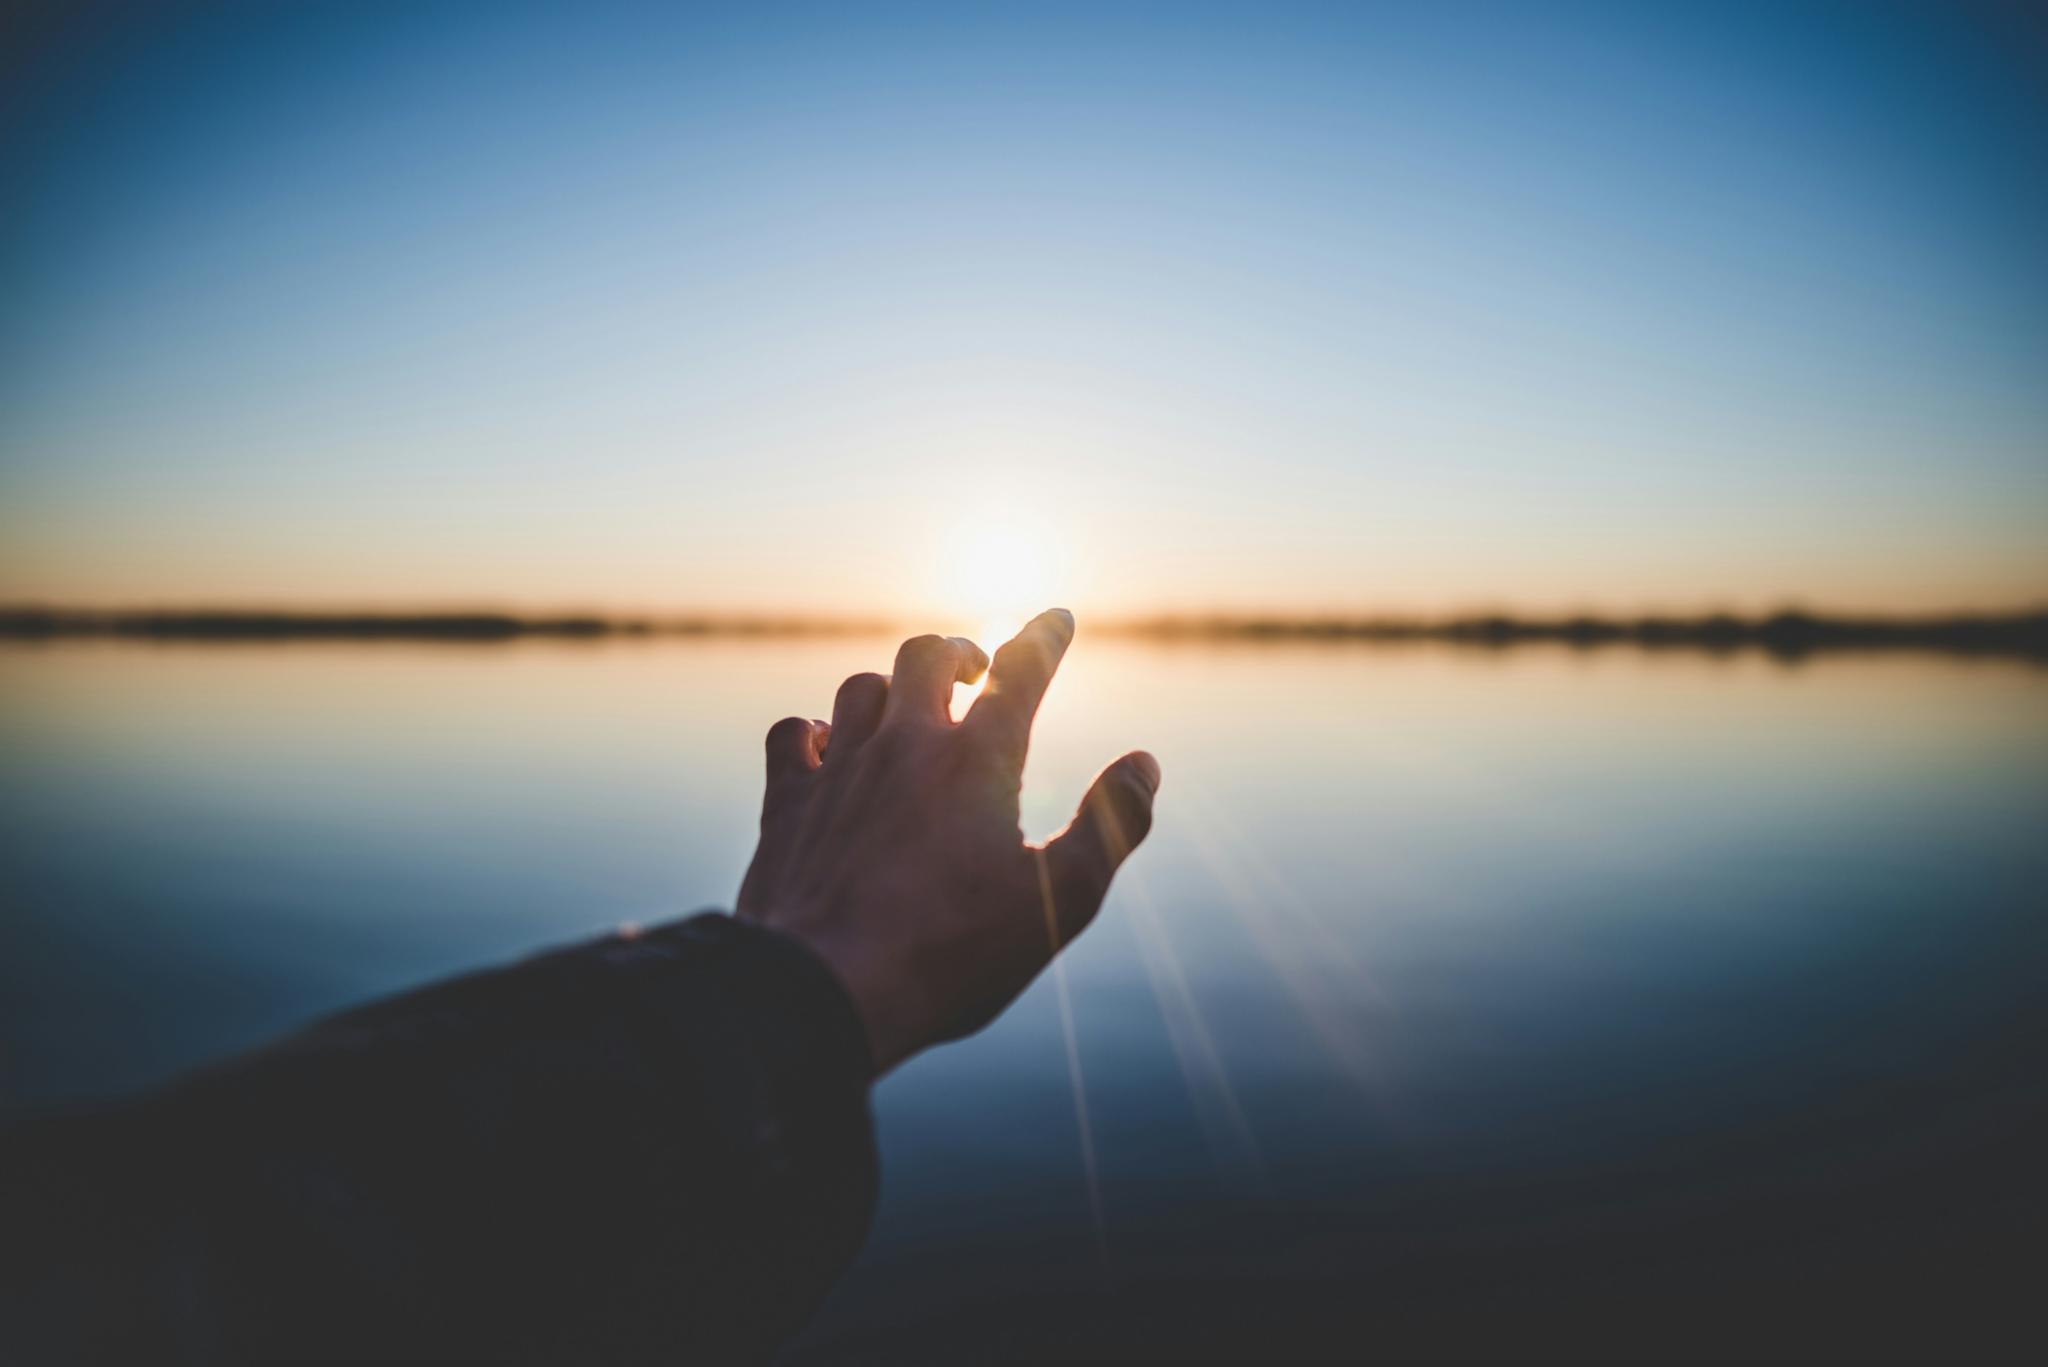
645, 1148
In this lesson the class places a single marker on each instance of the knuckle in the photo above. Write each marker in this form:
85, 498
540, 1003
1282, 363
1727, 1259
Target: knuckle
1120, 809
1137, 814
924, 647
1113, 793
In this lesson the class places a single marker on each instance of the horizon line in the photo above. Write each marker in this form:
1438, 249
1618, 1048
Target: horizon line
1784, 632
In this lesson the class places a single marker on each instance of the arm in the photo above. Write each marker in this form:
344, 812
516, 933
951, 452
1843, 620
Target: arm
650, 1148
656, 1145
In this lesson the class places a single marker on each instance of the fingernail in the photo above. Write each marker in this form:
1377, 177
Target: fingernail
1064, 616
1148, 769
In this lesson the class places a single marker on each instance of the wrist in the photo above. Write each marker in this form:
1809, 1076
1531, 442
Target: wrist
886, 1010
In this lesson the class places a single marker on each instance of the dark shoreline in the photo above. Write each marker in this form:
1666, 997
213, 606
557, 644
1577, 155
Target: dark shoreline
230, 624
1785, 634
1789, 634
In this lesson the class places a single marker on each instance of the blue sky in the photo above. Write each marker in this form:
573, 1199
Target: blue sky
1266, 307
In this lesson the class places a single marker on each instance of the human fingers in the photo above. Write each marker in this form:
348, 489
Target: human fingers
1079, 862
856, 712
927, 667
1017, 681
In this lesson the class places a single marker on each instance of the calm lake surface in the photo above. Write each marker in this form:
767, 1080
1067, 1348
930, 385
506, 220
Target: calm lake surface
1448, 977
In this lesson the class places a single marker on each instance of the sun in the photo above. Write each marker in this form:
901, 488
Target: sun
1002, 580
994, 577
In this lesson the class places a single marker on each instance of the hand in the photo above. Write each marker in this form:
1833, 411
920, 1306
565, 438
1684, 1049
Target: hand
890, 843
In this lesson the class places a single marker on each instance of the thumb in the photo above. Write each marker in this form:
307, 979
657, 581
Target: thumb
1114, 816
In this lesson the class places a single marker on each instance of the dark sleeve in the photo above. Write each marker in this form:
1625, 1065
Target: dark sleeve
648, 1149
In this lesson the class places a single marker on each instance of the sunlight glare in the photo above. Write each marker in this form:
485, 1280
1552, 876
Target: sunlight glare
995, 577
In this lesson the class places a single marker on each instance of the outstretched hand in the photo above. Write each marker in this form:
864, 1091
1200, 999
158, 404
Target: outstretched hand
890, 841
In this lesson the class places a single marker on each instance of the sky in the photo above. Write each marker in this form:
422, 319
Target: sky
965, 309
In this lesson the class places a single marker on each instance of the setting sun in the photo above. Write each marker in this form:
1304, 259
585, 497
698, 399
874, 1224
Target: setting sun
992, 579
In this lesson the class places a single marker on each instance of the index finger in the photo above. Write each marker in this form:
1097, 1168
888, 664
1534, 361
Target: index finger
1019, 676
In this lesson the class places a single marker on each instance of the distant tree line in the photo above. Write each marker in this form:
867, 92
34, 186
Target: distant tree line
1790, 634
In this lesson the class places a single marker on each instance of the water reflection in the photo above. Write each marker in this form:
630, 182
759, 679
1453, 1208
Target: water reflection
1450, 978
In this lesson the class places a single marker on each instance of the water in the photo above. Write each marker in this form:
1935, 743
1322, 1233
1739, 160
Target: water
1447, 978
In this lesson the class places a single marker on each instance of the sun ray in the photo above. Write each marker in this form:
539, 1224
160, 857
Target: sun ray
1325, 997
1194, 1046
1089, 1170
